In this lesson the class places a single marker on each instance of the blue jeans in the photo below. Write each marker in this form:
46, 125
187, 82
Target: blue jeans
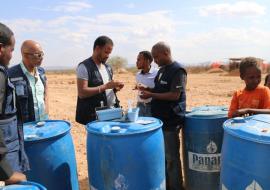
145, 109
174, 179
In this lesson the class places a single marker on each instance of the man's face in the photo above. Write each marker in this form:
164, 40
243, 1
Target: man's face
34, 55
6, 52
104, 52
158, 57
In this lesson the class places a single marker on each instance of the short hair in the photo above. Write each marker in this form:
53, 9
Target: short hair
147, 55
247, 63
266, 79
5, 35
162, 47
101, 41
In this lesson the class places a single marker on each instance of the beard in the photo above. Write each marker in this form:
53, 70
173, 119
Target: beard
103, 59
3, 63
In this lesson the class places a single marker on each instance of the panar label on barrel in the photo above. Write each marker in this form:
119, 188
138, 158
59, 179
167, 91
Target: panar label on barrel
204, 162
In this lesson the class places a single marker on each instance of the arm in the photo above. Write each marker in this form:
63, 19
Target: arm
171, 96
265, 106
16, 177
84, 91
233, 106
82, 84
2, 90
178, 85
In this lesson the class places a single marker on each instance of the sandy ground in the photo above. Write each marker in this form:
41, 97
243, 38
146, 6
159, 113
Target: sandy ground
202, 89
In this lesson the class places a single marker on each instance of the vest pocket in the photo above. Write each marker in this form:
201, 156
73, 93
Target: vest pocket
10, 132
21, 88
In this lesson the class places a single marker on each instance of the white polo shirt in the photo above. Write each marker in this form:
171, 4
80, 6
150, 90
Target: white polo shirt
146, 80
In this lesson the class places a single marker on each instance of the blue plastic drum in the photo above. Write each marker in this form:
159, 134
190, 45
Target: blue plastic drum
245, 153
51, 154
202, 141
26, 185
126, 156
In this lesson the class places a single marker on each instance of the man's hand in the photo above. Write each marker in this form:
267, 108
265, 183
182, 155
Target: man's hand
16, 178
114, 84
242, 112
119, 86
145, 94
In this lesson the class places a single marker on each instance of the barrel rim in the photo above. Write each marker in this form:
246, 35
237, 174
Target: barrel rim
234, 134
189, 116
34, 184
51, 137
159, 125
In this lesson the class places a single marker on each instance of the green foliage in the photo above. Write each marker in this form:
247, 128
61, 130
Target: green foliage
117, 62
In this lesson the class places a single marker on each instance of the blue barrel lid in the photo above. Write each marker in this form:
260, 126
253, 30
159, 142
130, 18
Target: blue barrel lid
35, 131
26, 185
116, 128
208, 112
254, 128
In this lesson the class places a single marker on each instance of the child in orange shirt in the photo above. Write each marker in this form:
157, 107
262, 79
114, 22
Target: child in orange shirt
253, 99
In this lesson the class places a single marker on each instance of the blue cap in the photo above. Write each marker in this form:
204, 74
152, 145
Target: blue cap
143, 124
208, 112
35, 131
254, 128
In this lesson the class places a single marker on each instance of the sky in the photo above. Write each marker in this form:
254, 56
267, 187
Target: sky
197, 31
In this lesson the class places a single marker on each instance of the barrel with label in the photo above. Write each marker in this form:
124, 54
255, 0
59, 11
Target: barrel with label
126, 155
202, 141
245, 153
51, 154
25, 185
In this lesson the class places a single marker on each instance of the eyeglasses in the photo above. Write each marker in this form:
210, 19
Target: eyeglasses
35, 55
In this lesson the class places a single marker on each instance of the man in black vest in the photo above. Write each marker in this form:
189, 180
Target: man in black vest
95, 84
169, 105
8, 119
30, 83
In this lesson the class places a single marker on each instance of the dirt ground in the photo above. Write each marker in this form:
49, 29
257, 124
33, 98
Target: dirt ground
202, 89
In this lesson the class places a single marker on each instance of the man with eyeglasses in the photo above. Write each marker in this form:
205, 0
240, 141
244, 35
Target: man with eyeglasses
31, 83
13, 160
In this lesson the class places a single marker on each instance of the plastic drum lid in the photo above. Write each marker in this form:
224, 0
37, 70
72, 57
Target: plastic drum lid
143, 124
20, 187
254, 128
43, 130
208, 112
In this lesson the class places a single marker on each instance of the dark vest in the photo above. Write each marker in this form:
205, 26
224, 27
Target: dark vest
12, 128
8, 107
85, 111
170, 112
24, 91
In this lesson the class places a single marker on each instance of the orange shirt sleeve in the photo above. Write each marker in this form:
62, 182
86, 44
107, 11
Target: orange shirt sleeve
234, 105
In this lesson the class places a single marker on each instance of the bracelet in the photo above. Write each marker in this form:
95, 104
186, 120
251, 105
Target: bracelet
99, 90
